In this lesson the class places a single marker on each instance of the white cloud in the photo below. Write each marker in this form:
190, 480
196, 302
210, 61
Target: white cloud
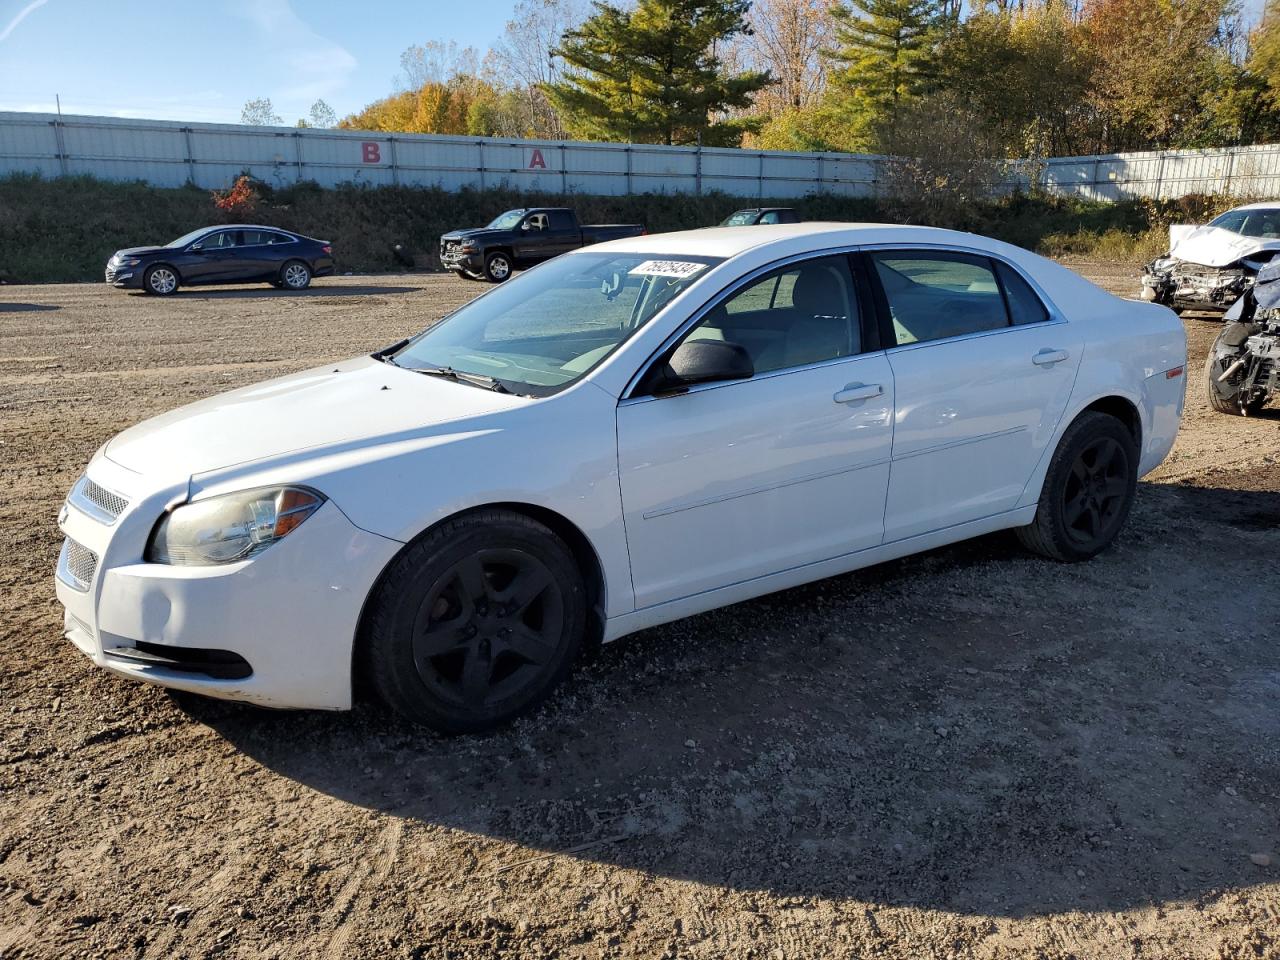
25, 12
313, 66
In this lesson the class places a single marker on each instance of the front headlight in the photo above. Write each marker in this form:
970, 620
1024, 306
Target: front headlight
231, 527
131, 262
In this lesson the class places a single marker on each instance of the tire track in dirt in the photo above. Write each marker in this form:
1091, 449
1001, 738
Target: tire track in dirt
353, 899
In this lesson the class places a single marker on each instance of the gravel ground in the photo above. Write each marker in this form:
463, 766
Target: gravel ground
970, 753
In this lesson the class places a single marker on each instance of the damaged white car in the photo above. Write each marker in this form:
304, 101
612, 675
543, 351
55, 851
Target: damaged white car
1208, 267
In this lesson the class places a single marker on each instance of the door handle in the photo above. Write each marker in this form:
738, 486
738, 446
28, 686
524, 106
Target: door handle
1047, 357
858, 391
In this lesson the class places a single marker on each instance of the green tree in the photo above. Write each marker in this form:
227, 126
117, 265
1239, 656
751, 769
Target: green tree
1159, 65
652, 74
884, 58
1026, 73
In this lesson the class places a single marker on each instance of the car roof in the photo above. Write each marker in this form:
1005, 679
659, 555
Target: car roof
1264, 205
251, 226
731, 241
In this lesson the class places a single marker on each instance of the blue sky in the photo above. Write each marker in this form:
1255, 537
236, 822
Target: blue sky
202, 60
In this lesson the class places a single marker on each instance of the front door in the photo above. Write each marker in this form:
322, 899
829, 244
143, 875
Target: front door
983, 373
738, 480
213, 259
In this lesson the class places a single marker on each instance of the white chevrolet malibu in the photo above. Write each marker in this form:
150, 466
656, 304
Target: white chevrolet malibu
623, 436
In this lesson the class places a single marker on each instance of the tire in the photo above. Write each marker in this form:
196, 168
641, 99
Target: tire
295, 275
160, 280
475, 622
497, 267
1232, 335
1088, 490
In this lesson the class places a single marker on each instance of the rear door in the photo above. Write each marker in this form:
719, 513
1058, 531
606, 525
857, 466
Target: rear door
262, 253
563, 233
983, 370
732, 481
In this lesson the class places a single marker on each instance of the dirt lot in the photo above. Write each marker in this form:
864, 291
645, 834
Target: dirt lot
971, 753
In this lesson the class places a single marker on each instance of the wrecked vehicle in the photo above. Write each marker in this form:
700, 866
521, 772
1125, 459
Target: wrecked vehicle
1209, 267
1243, 366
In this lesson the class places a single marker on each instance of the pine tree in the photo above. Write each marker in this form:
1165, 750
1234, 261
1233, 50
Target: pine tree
885, 49
652, 74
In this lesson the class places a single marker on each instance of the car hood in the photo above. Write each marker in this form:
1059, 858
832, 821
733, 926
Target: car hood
478, 233
138, 251
354, 401
1215, 247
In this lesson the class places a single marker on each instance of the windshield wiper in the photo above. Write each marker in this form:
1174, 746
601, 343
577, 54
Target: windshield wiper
475, 379
385, 353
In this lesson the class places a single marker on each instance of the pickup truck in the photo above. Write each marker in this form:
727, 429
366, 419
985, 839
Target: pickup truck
521, 238
753, 215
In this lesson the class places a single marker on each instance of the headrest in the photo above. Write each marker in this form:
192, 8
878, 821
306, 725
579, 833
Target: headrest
819, 292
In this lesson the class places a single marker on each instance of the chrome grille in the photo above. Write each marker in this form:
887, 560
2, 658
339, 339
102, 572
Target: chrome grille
97, 501
77, 564
111, 503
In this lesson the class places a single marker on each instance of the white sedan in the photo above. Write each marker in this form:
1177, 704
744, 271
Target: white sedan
623, 436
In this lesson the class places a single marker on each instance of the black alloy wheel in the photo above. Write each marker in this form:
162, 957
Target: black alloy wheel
475, 622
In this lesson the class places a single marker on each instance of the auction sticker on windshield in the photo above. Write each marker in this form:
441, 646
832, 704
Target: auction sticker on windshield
680, 269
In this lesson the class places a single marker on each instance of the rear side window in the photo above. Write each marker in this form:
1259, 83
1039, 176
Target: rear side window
935, 295
278, 238
1024, 305
561, 220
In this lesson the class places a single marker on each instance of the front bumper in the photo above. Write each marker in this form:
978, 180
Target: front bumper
122, 277
1189, 286
453, 257
290, 613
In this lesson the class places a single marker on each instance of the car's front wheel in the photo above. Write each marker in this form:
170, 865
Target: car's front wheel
497, 267
475, 622
295, 275
162, 280
1087, 492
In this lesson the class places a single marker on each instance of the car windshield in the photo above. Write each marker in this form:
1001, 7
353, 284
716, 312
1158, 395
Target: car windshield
1262, 223
506, 221
543, 330
740, 219
191, 237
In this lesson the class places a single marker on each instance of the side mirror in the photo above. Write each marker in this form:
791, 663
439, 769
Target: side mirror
703, 361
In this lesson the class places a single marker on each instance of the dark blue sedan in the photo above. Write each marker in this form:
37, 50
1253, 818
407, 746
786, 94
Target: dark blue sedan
234, 253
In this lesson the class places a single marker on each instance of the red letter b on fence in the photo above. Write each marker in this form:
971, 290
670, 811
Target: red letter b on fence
371, 152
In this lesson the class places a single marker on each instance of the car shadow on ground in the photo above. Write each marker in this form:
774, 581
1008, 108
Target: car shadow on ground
28, 307
257, 293
971, 730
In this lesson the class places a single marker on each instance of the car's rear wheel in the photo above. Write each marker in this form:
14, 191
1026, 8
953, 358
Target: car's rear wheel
1088, 490
162, 280
295, 275
497, 267
475, 622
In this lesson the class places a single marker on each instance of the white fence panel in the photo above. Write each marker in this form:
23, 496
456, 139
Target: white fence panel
211, 156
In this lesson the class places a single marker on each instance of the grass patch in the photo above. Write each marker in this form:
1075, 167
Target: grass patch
64, 229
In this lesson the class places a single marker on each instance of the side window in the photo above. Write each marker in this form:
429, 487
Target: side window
536, 221
219, 241
1024, 305
770, 217
803, 313
934, 295
274, 238
561, 220
253, 238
